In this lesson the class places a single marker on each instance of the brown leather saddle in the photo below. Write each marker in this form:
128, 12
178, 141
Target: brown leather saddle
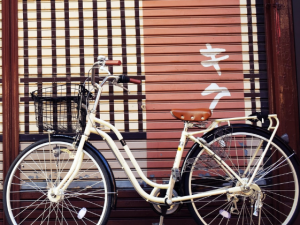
191, 114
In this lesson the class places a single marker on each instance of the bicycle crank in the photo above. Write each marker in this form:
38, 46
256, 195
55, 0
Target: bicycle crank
157, 208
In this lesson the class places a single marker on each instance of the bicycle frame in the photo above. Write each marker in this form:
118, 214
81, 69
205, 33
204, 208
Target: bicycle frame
90, 128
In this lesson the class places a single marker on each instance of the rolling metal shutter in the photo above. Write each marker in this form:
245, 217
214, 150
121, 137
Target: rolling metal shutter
199, 54
189, 54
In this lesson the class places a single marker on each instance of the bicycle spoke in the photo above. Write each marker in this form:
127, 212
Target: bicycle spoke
284, 174
89, 212
49, 214
26, 207
29, 213
212, 178
88, 201
279, 201
266, 216
86, 194
210, 202
45, 163
236, 153
274, 168
39, 189
271, 185
242, 210
44, 172
279, 194
61, 166
24, 191
216, 209
61, 213
266, 161
205, 186
250, 216
272, 216
226, 208
275, 209
78, 175
70, 212
89, 186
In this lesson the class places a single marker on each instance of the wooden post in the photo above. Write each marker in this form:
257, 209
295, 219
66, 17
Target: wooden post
283, 95
10, 95
282, 79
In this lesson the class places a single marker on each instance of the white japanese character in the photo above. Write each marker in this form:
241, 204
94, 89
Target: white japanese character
212, 52
212, 88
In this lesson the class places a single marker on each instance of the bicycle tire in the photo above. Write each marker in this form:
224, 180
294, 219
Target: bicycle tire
277, 178
40, 167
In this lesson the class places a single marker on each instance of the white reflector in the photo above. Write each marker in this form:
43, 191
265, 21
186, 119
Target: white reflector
81, 213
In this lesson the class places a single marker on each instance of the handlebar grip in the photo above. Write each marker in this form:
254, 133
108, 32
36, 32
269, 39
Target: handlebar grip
125, 79
113, 63
135, 81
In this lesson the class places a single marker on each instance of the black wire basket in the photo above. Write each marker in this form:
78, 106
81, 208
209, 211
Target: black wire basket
60, 108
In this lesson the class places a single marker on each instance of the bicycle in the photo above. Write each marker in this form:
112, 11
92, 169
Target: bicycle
234, 173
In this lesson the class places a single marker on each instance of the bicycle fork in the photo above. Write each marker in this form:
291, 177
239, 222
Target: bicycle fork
75, 167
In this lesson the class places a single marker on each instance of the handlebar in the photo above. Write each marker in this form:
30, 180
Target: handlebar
101, 61
115, 80
113, 63
125, 79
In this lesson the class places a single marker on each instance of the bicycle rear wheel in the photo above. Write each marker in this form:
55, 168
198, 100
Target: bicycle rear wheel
276, 184
38, 169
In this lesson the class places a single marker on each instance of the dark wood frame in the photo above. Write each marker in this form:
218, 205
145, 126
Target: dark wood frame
282, 77
10, 83
296, 17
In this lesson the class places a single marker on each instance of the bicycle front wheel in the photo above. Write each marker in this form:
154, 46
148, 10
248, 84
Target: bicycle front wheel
38, 169
273, 197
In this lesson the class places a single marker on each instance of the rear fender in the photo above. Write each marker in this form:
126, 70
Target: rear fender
212, 132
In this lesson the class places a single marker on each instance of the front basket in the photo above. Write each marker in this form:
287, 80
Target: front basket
59, 108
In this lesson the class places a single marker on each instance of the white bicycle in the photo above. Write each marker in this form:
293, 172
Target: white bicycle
233, 174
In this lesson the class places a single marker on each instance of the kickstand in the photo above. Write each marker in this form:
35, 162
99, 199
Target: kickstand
164, 209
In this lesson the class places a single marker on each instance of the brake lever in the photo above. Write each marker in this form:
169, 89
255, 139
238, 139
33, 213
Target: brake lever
114, 82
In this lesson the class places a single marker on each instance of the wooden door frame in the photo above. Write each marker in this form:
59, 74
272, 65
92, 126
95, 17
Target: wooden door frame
281, 67
10, 84
296, 20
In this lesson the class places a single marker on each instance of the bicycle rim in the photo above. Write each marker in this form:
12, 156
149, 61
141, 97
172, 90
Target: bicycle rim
40, 169
277, 180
